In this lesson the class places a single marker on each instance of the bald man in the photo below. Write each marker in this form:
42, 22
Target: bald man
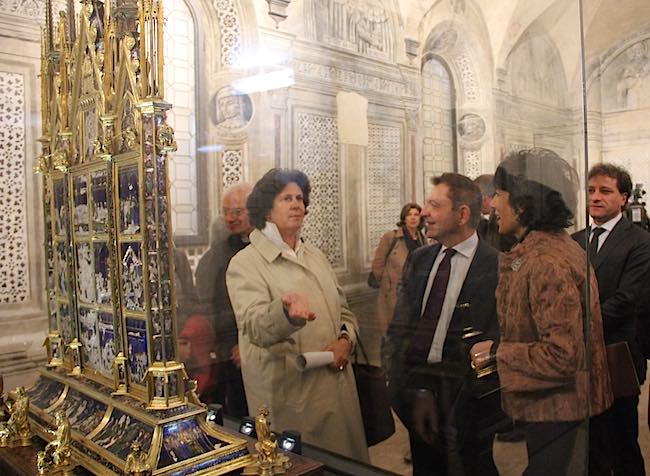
229, 235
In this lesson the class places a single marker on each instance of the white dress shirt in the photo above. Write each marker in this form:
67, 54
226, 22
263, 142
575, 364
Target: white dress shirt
460, 263
608, 226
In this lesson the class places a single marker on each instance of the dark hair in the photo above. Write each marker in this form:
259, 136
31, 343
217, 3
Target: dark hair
486, 183
622, 177
405, 211
462, 191
260, 200
541, 187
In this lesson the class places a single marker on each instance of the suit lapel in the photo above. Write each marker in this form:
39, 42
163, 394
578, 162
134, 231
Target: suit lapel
615, 237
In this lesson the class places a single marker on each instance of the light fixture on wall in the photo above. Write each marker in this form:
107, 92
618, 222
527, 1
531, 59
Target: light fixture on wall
278, 10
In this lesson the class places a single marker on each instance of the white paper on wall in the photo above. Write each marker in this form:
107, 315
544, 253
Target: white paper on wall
352, 118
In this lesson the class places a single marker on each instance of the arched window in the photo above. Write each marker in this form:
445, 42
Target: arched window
438, 120
180, 91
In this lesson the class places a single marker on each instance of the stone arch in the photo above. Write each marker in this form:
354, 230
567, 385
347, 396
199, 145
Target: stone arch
534, 69
459, 37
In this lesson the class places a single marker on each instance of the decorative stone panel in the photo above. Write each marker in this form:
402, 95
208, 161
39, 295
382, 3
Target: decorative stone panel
230, 32
384, 173
232, 167
472, 161
317, 155
14, 265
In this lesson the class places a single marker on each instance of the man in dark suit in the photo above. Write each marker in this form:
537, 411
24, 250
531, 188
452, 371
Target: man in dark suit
488, 229
620, 255
445, 302
214, 300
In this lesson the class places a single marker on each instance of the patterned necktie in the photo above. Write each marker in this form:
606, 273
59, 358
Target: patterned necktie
426, 328
593, 244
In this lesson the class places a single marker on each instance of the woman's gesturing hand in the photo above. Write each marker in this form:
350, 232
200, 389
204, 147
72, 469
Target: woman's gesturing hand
297, 307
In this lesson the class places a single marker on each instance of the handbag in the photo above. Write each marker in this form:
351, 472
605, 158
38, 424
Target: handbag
622, 373
372, 279
377, 417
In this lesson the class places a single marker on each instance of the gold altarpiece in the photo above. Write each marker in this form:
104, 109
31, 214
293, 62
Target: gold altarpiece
112, 355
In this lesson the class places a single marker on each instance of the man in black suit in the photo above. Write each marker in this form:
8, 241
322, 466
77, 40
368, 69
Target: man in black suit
445, 303
620, 255
488, 229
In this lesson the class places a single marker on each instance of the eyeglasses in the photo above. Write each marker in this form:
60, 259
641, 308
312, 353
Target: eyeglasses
235, 212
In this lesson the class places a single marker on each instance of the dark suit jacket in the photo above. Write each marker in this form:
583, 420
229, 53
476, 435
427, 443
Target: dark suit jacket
622, 266
475, 307
488, 231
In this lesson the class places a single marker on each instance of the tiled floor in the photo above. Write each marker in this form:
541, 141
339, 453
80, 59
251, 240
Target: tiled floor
510, 458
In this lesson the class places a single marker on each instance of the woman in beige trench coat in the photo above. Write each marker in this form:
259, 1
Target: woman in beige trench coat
390, 257
287, 301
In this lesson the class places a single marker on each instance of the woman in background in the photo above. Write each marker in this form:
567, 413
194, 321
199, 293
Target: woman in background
390, 256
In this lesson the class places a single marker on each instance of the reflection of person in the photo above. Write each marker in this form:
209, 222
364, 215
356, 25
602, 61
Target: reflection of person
488, 230
549, 383
211, 288
390, 255
446, 288
196, 343
185, 290
287, 301
620, 255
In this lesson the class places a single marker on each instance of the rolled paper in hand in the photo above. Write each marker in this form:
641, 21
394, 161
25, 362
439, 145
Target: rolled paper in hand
311, 360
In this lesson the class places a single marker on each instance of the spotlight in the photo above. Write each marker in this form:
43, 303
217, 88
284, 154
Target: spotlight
247, 427
215, 414
290, 441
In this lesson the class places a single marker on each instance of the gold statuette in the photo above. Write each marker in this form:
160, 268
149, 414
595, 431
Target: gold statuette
268, 461
56, 459
16, 431
136, 462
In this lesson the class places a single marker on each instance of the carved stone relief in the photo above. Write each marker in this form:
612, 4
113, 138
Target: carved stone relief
14, 264
384, 173
233, 111
626, 81
352, 79
443, 41
34, 9
471, 127
317, 155
362, 26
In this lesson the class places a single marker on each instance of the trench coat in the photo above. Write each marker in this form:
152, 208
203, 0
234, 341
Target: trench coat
541, 358
387, 268
321, 403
